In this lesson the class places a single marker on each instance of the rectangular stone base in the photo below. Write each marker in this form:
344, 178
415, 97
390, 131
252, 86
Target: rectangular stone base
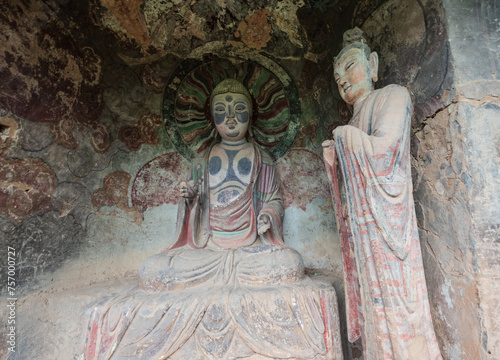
288, 321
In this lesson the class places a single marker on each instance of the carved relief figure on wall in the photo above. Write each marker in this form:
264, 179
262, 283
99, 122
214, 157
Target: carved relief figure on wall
386, 295
228, 287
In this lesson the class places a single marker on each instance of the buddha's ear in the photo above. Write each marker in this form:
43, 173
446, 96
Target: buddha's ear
374, 66
250, 132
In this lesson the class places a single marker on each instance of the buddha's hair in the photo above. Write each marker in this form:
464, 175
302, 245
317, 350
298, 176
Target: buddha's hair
230, 85
353, 38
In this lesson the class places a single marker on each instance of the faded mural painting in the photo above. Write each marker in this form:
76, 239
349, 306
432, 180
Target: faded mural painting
103, 107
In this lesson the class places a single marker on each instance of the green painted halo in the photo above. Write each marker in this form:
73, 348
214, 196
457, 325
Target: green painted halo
190, 85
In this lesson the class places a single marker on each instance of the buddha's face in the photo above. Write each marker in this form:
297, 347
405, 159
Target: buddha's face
231, 113
354, 74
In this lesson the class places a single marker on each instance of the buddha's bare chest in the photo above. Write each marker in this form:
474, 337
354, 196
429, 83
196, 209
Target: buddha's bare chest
230, 172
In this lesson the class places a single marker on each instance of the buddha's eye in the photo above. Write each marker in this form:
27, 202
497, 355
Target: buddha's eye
240, 106
220, 109
350, 65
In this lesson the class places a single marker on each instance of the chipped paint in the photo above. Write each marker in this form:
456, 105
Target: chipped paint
26, 186
301, 179
255, 30
113, 192
127, 16
157, 181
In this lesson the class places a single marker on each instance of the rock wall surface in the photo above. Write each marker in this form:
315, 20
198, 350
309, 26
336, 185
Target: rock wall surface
456, 186
88, 171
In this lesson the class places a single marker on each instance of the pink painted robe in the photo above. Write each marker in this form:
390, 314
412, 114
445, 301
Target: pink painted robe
386, 293
263, 196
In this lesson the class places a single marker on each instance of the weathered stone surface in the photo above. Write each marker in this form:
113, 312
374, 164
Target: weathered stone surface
114, 191
75, 73
144, 133
313, 16
42, 245
84, 160
73, 199
445, 238
300, 182
473, 19
481, 133
34, 136
26, 186
255, 30
56, 313
8, 133
308, 227
410, 27
126, 16
158, 181
454, 148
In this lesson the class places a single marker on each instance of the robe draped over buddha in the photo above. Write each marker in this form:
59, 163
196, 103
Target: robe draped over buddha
233, 225
215, 244
386, 294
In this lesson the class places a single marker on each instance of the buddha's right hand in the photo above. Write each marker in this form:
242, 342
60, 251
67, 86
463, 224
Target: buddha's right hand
188, 189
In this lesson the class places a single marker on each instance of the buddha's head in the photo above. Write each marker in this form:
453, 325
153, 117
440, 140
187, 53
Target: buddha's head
355, 67
231, 109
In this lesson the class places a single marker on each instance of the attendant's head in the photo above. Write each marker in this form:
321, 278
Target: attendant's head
355, 67
231, 109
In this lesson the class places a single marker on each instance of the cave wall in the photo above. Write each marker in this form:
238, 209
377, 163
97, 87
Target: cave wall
457, 156
89, 173
85, 151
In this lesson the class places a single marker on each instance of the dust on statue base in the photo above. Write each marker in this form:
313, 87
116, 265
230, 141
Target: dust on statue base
228, 288
386, 294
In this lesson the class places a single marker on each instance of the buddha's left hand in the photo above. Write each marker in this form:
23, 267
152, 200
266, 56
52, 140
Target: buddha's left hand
263, 223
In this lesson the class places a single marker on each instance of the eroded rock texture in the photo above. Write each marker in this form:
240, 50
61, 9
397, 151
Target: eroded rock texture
456, 152
81, 102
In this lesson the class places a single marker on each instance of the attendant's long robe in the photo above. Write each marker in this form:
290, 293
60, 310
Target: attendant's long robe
386, 294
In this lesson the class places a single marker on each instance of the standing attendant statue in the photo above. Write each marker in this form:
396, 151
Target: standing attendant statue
386, 294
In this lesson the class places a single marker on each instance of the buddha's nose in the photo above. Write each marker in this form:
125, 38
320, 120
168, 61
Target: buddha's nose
230, 112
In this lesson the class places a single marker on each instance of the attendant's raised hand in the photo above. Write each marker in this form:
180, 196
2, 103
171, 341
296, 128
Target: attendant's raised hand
328, 143
189, 190
329, 152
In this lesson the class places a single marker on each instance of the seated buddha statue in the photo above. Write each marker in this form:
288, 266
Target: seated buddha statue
229, 225
228, 287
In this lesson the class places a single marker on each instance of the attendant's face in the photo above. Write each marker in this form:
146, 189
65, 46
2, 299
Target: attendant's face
353, 74
231, 113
